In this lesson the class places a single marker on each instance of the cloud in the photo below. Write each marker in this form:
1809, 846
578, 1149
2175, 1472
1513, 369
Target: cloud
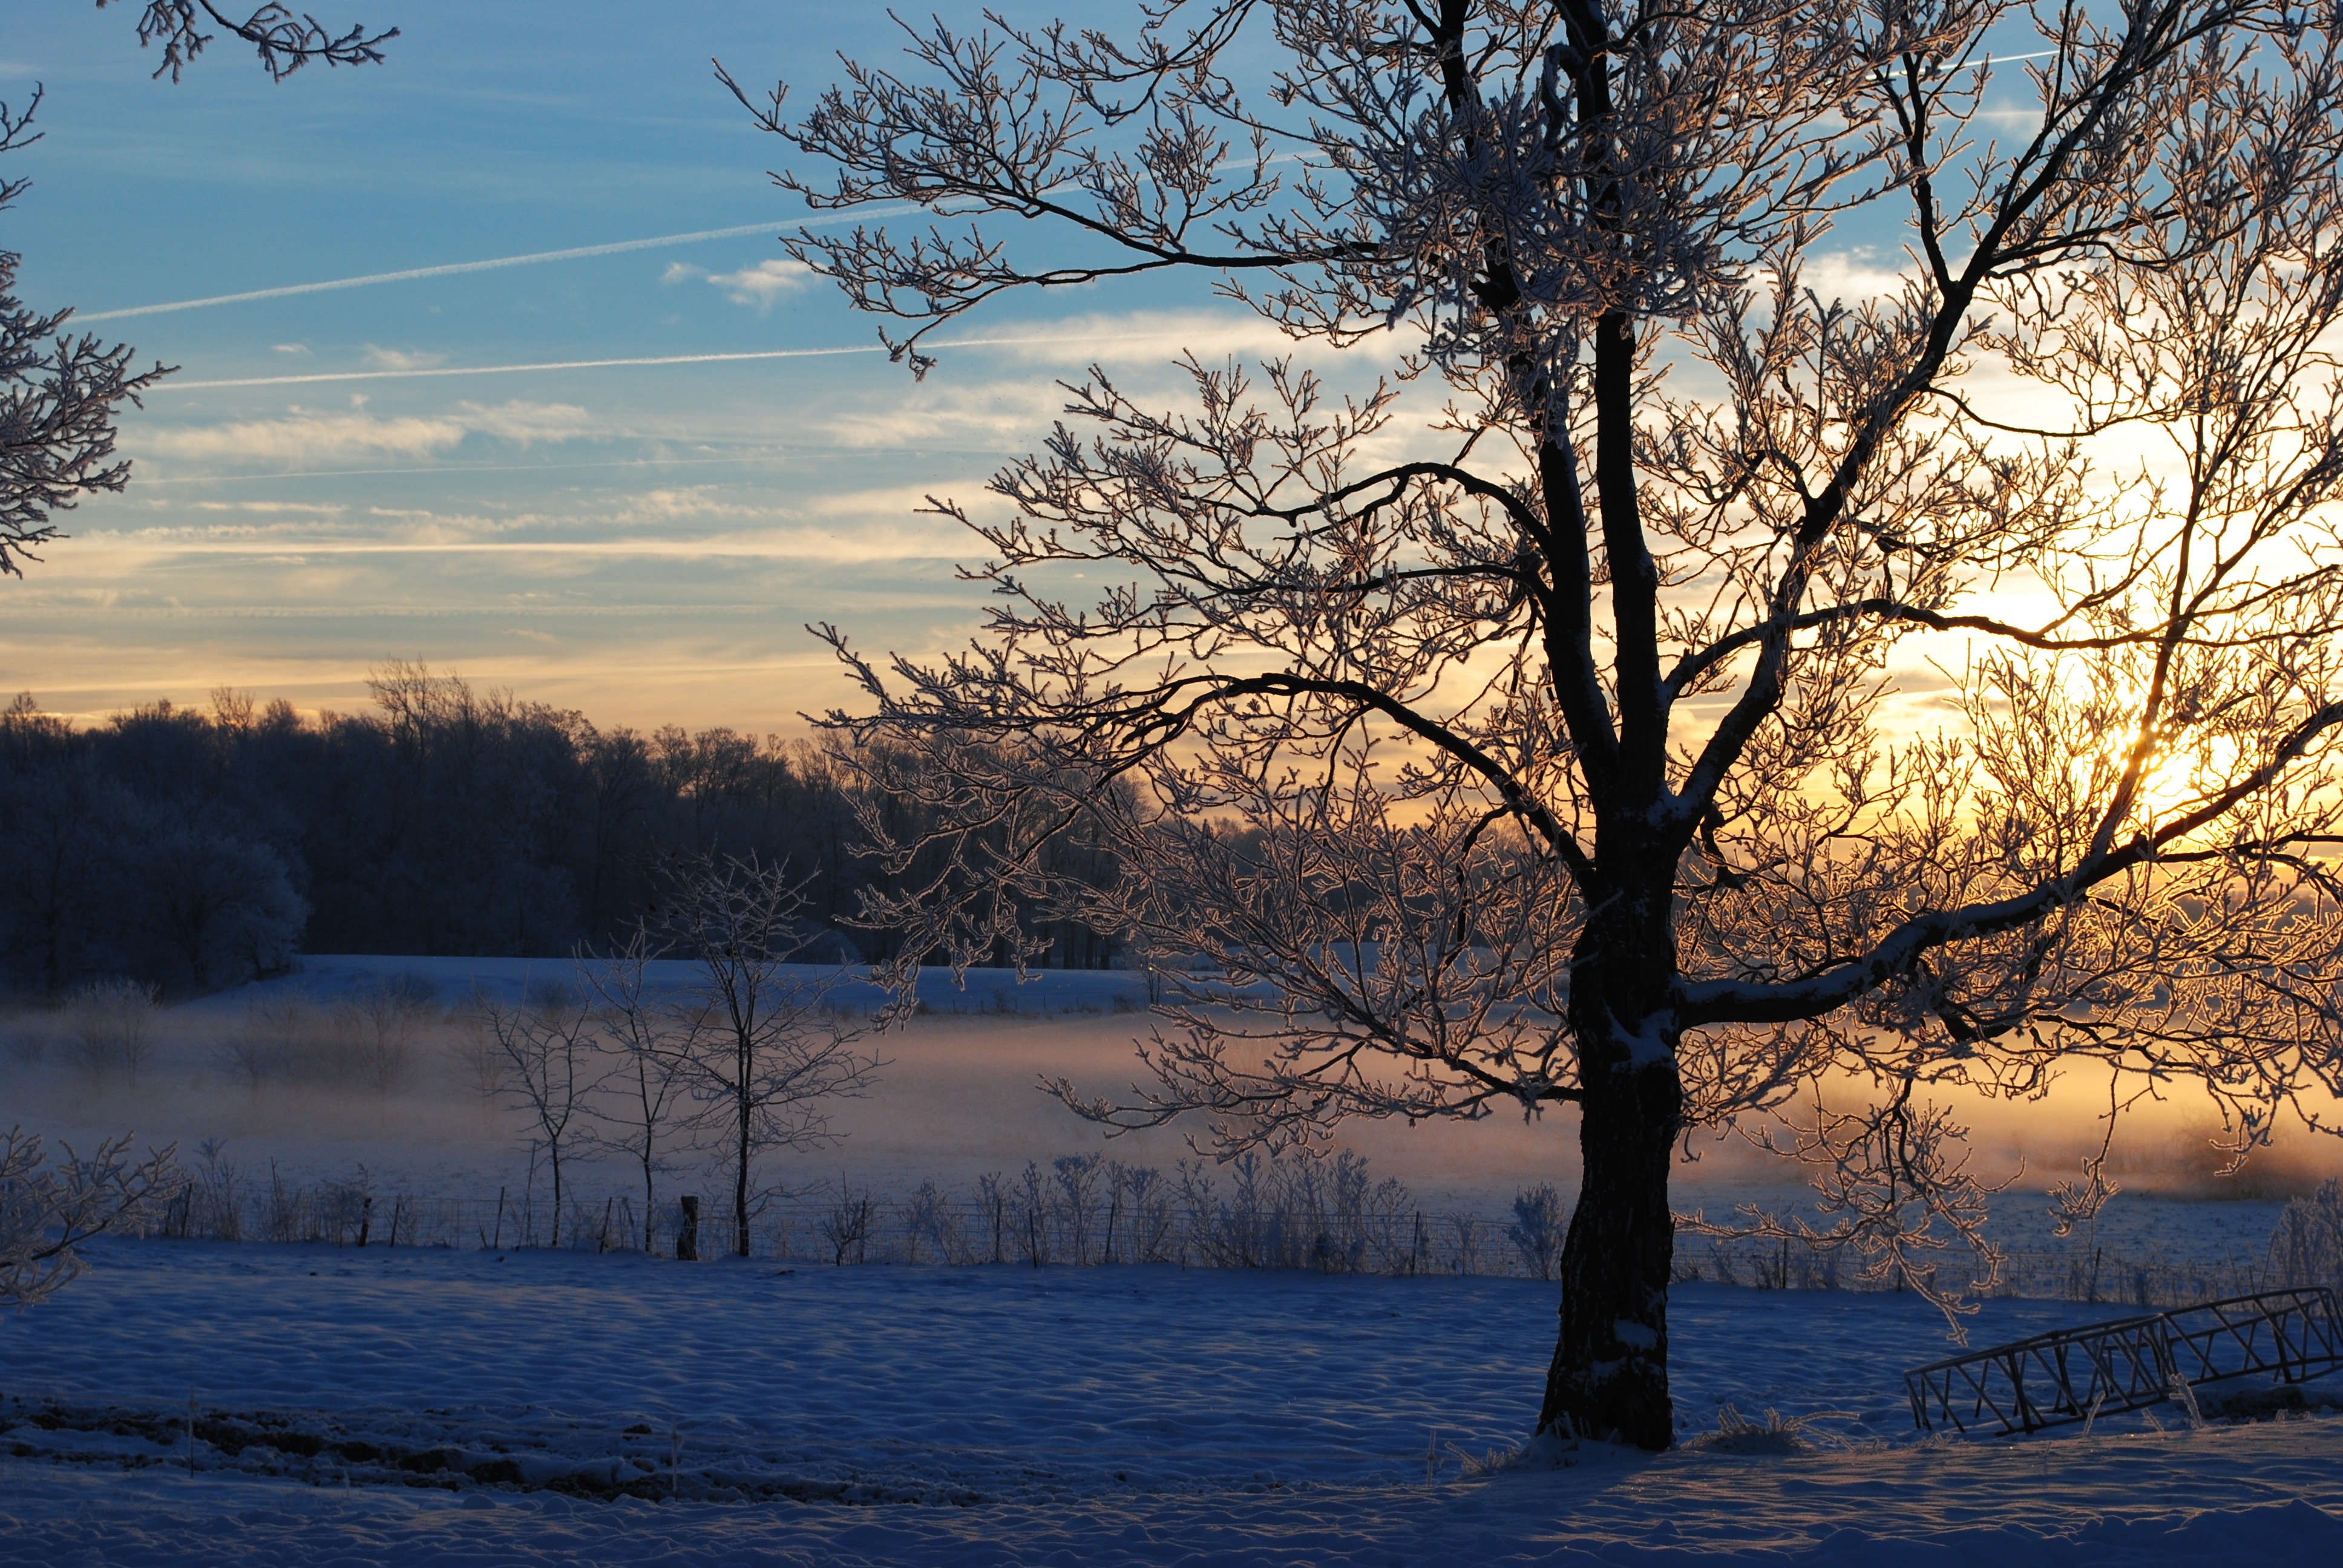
291, 347
306, 436
522, 422
296, 509
399, 360
1853, 275
762, 284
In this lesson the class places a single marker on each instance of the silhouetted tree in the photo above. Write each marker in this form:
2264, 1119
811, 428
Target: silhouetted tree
1560, 723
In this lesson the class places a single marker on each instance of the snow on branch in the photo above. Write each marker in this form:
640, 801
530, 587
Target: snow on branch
50, 1208
286, 40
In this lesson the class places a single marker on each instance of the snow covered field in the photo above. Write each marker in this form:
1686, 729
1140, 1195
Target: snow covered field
472, 1407
530, 1406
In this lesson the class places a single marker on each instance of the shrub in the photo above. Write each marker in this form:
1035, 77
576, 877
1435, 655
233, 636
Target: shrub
2306, 1248
112, 1028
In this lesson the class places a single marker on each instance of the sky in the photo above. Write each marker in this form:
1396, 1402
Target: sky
644, 542
619, 471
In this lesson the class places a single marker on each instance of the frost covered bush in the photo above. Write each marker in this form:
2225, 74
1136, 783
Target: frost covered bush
378, 1027
48, 1208
272, 1040
847, 1226
1307, 1210
928, 1221
2306, 1248
1536, 1232
112, 1026
210, 1201
1139, 1212
369, 1040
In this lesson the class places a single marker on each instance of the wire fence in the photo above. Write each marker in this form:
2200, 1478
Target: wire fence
2080, 1271
1318, 1213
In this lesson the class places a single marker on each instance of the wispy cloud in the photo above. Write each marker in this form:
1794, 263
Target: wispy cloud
762, 284
400, 359
293, 509
305, 436
522, 422
309, 437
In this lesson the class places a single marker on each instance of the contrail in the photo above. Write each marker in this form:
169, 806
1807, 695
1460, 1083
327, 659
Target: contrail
451, 269
504, 370
602, 364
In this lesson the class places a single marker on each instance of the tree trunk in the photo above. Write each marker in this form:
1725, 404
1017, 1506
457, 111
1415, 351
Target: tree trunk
740, 1179
1609, 1380
1610, 1374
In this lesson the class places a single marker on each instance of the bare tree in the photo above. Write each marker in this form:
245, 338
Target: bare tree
649, 1039
60, 393
767, 1055
49, 1209
546, 1047
1523, 719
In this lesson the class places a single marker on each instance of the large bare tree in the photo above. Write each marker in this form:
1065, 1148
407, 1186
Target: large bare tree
1527, 721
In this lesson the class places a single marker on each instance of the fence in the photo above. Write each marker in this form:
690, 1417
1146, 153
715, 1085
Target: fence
2080, 1272
1322, 1214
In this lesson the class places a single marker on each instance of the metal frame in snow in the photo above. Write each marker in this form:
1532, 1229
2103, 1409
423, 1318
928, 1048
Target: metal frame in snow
2078, 1374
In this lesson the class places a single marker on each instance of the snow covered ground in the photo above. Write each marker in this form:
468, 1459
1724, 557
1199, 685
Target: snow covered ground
524, 1407
420, 1406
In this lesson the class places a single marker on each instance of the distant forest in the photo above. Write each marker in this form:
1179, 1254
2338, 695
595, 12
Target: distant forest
193, 849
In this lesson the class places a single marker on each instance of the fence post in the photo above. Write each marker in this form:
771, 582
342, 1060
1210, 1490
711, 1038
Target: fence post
686, 1232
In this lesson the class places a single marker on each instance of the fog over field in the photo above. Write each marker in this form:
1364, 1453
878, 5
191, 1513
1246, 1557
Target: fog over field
960, 1096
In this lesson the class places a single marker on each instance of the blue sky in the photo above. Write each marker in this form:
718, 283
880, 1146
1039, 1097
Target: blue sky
327, 484
642, 542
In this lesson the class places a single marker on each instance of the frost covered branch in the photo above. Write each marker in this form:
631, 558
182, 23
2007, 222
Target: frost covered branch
57, 398
285, 39
50, 1208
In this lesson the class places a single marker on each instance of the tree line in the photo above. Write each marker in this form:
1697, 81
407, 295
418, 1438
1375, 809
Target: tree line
192, 848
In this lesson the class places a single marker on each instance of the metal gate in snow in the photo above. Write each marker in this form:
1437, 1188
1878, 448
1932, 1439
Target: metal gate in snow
2078, 1374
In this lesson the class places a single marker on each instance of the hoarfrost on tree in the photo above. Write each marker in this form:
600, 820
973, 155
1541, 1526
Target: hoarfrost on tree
1516, 729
